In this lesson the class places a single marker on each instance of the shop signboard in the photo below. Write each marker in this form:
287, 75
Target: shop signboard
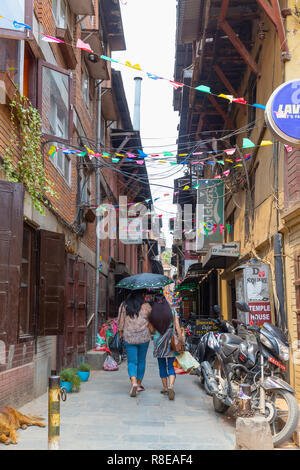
253, 287
209, 211
283, 113
204, 326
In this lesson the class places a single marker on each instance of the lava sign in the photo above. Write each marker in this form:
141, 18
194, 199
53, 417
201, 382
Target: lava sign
283, 113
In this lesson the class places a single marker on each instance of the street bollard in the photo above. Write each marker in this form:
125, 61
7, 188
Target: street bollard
245, 408
54, 413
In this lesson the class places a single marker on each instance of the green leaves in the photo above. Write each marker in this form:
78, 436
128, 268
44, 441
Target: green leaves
23, 158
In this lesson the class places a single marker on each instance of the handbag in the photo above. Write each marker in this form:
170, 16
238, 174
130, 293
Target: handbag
116, 344
177, 343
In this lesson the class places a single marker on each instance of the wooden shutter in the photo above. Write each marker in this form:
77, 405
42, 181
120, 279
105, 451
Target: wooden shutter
81, 305
11, 235
51, 283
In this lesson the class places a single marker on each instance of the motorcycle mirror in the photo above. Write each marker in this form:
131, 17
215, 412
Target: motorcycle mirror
217, 309
243, 306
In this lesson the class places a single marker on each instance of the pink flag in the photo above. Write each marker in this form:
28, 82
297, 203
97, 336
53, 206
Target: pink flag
131, 155
226, 173
84, 46
176, 85
221, 228
214, 228
288, 148
140, 162
230, 151
51, 39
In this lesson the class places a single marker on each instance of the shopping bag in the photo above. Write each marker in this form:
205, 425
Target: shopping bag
110, 364
179, 370
187, 361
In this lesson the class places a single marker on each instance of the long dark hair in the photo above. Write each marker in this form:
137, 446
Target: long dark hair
133, 303
161, 314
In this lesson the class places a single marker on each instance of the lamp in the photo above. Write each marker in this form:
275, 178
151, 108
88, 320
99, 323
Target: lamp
93, 58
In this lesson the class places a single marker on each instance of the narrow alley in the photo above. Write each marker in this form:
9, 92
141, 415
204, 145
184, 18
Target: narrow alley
102, 416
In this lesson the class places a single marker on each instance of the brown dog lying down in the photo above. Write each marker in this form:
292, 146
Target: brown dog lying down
11, 420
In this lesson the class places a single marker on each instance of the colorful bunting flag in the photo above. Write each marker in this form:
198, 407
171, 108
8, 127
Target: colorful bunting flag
84, 46
204, 88
247, 143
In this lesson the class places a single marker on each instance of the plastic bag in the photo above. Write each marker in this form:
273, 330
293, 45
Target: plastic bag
187, 361
179, 370
110, 364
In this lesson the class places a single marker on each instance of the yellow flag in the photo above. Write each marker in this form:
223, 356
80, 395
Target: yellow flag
266, 142
136, 66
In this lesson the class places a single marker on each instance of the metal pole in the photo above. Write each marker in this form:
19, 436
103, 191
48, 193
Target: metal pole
98, 202
54, 413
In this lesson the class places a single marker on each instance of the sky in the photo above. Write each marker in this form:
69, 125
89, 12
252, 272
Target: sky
149, 30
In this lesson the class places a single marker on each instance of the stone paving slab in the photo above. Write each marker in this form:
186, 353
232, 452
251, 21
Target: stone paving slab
103, 416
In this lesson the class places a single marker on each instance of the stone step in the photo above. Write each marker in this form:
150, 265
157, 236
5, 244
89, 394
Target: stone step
96, 359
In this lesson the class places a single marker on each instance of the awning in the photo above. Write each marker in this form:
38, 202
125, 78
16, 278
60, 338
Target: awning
97, 70
222, 255
82, 7
193, 276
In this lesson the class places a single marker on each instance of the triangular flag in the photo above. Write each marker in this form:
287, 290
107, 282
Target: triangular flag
84, 46
154, 77
228, 160
247, 143
142, 154
261, 106
104, 57
228, 227
52, 150
230, 151
176, 85
227, 97
288, 148
247, 157
89, 150
221, 228
140, 162
226, 173
204, 88
136, 66
115, 160
266, 142
186, 187
220, 161
239, 164
131, 155
51, 39
168, 154
239, 100
214, 228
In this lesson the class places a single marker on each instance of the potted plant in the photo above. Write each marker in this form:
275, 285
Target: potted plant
84, 371
70, 380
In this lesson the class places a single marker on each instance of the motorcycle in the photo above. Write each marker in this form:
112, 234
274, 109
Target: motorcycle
205, 352
260, 365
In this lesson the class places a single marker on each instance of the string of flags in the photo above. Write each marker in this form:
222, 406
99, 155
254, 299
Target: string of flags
86, 47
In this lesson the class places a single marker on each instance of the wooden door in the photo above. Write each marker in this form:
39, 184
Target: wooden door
51, 283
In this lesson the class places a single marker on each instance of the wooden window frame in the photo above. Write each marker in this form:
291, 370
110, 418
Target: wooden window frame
41, 65
28, 19
29, 335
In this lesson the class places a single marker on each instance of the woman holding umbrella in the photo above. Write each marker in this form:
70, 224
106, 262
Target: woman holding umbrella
162, 320
133, 327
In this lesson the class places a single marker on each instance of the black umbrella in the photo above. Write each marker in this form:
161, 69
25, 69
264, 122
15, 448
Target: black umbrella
144, 281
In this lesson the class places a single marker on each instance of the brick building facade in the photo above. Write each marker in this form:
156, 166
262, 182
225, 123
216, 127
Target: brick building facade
48, 263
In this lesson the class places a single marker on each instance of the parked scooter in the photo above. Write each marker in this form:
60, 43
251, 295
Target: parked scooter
258, 364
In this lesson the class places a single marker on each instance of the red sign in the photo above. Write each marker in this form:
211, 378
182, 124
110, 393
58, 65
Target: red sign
260, 313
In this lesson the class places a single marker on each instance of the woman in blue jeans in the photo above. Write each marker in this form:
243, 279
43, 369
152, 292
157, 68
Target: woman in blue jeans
161, 319
133, 327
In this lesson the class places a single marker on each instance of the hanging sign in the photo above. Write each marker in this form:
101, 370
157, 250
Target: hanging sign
209, 213
283, 113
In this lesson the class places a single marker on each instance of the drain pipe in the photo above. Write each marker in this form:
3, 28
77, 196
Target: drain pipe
98, 202
137, 103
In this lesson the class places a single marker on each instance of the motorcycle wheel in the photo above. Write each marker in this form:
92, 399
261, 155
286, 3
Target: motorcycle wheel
287, 415
219, 406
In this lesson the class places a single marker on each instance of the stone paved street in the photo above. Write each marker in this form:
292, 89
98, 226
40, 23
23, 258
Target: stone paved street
103, 416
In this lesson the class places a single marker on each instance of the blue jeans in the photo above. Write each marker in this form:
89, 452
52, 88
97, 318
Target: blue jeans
136, 359
166, 367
